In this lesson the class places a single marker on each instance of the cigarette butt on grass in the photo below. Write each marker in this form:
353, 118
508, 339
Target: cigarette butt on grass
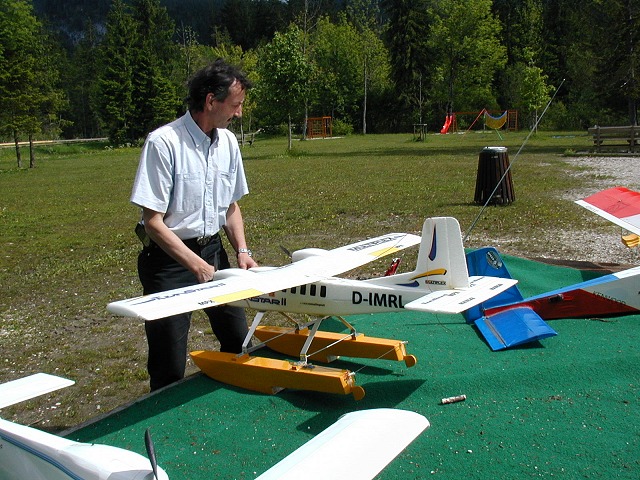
456, 399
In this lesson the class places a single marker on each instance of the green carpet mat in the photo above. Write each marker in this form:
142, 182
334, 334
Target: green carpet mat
568, 406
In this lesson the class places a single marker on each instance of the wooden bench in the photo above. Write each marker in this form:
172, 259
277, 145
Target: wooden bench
244, 138
616, 137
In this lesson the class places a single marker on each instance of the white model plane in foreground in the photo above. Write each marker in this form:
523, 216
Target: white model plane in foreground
29, 453
440, 283
509, 319
372, 437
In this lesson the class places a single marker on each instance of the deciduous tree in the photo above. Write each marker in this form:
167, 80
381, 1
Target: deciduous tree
29, 94
465, 41
285, 75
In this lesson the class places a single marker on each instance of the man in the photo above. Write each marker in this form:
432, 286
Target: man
189, 180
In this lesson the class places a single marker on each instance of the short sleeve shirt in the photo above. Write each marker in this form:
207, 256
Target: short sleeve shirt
190, 178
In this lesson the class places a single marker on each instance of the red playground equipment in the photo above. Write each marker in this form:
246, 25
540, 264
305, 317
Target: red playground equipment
447, 123
507, 119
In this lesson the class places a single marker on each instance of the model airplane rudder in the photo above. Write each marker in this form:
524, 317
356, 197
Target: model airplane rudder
441, 249
441, 261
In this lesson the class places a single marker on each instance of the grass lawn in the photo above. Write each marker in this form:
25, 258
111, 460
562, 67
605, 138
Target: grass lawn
68, 246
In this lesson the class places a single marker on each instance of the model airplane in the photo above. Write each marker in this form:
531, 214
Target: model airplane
440, 283
372, 437
509, 319
27, 452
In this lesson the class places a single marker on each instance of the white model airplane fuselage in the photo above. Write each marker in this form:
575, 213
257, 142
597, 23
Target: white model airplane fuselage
29, 453
439, 283
342, 296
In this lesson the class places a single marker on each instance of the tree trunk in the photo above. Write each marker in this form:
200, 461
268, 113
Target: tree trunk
364, 101
306, 119
290, 140
32, 154
15, 140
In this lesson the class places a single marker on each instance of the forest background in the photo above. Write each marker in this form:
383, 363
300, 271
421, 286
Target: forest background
116, 69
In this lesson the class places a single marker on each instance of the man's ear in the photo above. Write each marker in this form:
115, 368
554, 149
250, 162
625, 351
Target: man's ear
211, 100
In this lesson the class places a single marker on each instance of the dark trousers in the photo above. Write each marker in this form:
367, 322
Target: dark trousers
167, 337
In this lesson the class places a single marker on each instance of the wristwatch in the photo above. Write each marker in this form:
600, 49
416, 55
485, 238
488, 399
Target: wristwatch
245, 250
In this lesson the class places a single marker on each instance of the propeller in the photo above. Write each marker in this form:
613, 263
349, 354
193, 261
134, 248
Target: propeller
151, 452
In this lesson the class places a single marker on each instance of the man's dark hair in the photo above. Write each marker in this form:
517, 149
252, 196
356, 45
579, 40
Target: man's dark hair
215, 78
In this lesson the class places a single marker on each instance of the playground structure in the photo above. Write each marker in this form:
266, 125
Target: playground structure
496, 120
319, 127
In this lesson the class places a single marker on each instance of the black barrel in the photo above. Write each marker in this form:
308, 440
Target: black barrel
493, 162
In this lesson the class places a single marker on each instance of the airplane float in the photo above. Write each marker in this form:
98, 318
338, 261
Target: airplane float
27, 452
509, 319
373, 438
440, 283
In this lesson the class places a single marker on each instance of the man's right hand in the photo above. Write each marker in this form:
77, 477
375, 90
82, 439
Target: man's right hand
206, 273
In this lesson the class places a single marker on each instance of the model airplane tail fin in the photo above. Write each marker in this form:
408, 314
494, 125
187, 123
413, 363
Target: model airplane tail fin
509, 327
441, 253
441, 272
441, 262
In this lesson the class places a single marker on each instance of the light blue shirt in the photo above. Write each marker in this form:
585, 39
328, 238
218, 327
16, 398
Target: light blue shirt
189, 178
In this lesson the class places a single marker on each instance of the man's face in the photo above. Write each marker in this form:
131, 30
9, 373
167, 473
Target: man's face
222, 113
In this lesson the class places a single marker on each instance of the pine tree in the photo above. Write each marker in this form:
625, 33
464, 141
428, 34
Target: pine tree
154, 96
407, 34
116, 82
81, 79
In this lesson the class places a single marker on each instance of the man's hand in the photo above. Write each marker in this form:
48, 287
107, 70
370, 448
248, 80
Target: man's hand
206, 273
169, 242
246, 262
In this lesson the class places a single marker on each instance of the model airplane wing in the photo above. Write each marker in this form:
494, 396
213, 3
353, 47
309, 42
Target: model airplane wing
509, 319
618, 205
23, 389
480, 288
310, 265
358, 446
606, 296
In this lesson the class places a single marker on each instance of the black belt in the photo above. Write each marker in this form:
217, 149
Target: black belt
201, 241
